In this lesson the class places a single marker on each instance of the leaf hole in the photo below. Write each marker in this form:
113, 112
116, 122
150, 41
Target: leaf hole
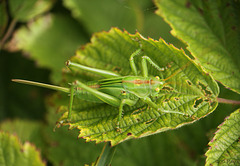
189, 82
197, 102
138, 111
166, 100
204, 89
176, 98
167, 88
138, 119
150, 121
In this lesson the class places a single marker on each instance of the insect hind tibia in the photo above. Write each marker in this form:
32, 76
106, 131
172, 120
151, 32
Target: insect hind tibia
104, 73
176, 72
71, 100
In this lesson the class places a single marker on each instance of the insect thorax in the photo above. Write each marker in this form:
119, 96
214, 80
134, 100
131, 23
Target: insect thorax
142, 86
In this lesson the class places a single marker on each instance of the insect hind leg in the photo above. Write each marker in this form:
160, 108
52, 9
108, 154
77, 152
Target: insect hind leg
70, 101
123, 102
153, 105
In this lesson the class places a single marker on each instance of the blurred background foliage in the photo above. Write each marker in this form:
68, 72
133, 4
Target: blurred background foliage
38, 36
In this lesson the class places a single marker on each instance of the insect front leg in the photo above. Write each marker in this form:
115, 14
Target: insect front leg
123, 102
132, 63
144, 63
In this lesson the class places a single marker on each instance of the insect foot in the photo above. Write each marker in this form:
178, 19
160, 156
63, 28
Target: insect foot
118, 127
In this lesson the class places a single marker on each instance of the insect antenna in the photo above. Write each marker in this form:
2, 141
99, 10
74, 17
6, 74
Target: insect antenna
53, 87
178, 71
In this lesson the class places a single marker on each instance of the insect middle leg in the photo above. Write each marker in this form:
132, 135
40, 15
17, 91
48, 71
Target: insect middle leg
123, 102
144, 63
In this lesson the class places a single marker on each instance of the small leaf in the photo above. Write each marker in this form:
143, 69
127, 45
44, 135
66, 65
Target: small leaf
27, 131
189, 91
128, 15
225, 146
49, 40
63, 146
25, 10
13, 153
66, 150
211, 30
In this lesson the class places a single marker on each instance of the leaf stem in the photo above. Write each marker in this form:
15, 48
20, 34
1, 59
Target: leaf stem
227, 101
8, 33
106, 155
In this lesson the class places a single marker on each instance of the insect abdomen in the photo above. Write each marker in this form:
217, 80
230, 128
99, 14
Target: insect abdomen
85, 95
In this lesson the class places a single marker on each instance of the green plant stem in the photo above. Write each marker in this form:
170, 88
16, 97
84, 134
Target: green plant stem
106, 155
227, 101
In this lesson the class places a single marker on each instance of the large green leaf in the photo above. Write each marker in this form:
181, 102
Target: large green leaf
101, 15
23, 10
130, 15
211, 30
225, 146
14, 153
189, 91
147, 151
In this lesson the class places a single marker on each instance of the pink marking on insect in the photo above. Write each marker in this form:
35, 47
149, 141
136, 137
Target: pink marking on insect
139, 82
91, 86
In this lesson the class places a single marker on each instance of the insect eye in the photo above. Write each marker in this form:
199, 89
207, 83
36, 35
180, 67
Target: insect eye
157, 89
157, 77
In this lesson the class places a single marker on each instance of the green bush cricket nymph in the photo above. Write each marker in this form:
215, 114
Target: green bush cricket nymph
114, 89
